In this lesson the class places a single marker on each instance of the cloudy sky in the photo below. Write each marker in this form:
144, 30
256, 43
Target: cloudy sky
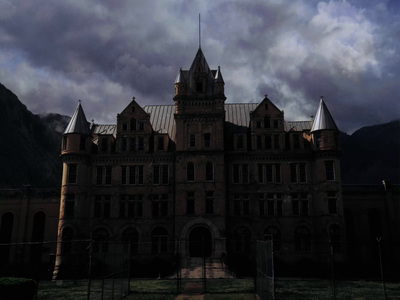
53, 53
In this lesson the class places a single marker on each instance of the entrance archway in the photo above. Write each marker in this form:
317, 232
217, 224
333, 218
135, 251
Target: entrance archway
200, 242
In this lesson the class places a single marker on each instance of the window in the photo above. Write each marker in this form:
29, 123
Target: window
133, 124
132, 144
209, 172
72, 173
160, 143
131, 206
329, 170
296, 141
276, 123
103, 175
192, 140
159, 240
258, 124
259, 142
332, 203
240, 142
124, 144
242, 239
159, 205
300, 204
207, 140
160, 174
102, 206
240, 174
190, 172
267, 122
209, 202
64, 143
270, 204
268, 142
298, 173
302, 239
100, 241
132, 175
317, 140
82, 144
276, 141
269, 173
125, 126
190, 203
69, 205
241, 204
140, 143
199, 86
141, 126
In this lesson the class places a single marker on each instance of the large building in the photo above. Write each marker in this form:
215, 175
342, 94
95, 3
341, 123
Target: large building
202, 177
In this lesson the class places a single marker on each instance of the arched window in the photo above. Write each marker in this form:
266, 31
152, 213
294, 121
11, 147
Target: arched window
275, 234
67, 237
209, 171
131, 236
6, 229
159, 240
38, 227
100, 241
190, 172
242, 239
302, 239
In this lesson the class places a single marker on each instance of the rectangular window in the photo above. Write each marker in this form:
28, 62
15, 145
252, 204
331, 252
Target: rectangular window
192, 140
209, 202
300, 204
298, 173
330, 170
124, 144
190, 203
103, 175
132, 175
141, 126
72, 173
270, 204
258, 124
130, 206
82, 144
302, 173
160, 174
161, 143
269, 173
332, 203
259, 142
102, 206
159, 205
69, 205
268, 142
108, 170
132, 144
240, 142
140, 143
207, 140
276, 123
276, 141
241, 204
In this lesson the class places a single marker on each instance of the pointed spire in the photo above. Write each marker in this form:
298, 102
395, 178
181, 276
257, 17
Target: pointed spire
323, 119
78, 122
218, 76
180, 78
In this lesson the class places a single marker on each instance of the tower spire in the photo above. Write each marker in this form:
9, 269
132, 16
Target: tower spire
199, 32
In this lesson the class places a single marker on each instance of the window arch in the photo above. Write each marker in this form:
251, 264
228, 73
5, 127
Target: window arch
242, 239
67, 237
131, 236
6, 229
38, 227
159, 240
275, 234
190, 171
209, 171
302, 239
100, 240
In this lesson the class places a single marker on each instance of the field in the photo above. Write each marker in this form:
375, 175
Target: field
237, 289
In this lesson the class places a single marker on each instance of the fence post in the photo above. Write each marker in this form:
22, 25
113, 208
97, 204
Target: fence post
381, 266
89, 269
333, 269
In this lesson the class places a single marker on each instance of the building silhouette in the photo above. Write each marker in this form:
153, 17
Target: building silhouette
202, 177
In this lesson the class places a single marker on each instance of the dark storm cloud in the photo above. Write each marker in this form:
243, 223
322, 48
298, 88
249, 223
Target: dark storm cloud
104, 52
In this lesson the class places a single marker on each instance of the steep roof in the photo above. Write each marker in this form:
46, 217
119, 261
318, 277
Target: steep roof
78, 122
323, 119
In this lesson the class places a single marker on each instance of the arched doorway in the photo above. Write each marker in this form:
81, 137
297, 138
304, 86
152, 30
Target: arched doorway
200, 243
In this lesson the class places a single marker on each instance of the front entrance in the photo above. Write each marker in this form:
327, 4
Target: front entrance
200, 242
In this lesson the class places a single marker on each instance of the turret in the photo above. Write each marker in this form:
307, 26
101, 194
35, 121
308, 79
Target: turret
180, 84
324, 132
219, 83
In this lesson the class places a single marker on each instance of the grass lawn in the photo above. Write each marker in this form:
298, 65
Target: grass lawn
224, 289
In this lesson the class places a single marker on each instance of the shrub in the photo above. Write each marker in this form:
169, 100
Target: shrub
17, 288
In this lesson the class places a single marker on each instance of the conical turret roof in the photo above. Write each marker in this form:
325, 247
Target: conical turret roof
218, 76
180, 78
323, 119
78, 122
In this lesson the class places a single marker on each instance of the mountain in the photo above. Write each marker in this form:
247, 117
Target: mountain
29, 148
372, 154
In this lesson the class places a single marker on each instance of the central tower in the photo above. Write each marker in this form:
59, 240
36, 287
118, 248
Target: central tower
199, 168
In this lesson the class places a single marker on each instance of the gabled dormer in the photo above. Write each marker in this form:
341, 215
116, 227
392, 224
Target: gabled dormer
133, 129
